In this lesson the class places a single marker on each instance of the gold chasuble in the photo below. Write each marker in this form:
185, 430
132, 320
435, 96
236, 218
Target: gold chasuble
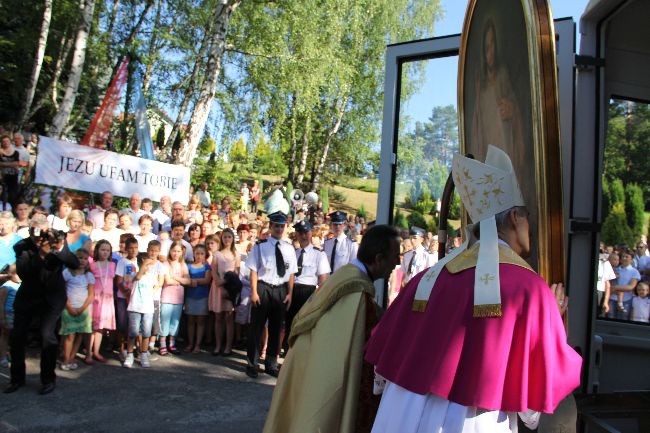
324, 385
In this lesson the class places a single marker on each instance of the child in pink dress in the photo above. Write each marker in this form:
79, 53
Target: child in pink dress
103, 270
225, 260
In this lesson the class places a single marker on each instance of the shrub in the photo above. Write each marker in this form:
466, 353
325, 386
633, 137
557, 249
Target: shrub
617, 192
454, 208
607, 199
615, 229
400, 220
416, 219
634, 209
361, 212
325, 198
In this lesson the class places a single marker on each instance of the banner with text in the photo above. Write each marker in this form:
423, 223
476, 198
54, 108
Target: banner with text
89, 169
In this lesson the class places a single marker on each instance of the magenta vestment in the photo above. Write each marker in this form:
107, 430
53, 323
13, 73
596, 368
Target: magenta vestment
513, 363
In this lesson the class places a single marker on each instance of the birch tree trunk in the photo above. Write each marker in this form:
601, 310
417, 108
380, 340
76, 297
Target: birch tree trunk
199, 117
189, 91
315, 182
304, 151
78, 58
38, 62
294, 144
153, 50
51, 91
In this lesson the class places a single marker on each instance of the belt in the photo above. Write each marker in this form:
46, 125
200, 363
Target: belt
273, 286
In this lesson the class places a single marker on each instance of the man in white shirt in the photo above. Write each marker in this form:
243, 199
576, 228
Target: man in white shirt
96, 216
272, 264
605, 275
162, 214
177, 233
134, 208
340, 250
417, 259
313, 270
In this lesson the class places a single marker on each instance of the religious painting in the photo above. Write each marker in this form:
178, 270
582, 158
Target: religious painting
507, 95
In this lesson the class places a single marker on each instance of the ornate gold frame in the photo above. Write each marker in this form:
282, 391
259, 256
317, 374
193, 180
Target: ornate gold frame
546, 131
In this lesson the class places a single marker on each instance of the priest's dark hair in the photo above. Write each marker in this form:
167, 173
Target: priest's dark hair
376, 241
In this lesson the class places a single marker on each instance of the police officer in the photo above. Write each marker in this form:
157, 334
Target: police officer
272, 263
340, 250
313, 270
417, 259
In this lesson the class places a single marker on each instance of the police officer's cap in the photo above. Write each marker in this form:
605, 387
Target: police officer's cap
278, 218
417, 231
302, 226
338, 217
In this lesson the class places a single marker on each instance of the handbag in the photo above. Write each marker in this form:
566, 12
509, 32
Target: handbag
233, 286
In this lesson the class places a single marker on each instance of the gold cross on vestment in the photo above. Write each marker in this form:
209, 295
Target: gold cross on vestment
487, 278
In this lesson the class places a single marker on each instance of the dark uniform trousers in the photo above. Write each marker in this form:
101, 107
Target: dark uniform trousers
24, 312
300, 295
271, 308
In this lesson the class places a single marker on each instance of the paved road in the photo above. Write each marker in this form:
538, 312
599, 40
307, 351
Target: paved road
188, 393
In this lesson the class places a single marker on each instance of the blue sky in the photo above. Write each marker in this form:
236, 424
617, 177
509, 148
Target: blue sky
439, 87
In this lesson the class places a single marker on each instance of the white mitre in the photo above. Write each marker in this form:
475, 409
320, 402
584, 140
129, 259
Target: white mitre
485, 189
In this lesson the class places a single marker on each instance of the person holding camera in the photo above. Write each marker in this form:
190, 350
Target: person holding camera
40, 260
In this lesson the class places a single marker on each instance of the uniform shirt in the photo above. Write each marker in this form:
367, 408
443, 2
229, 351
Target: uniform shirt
641, 263
314, 264
262, 260
346, 251
421, 260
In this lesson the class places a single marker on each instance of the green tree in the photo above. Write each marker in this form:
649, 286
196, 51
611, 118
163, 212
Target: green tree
454, 208
325, 198
416, 219
399, 220
634, 209
617, 191
160, 137
361, 212
238, 151
615, 229
607, 198
207, 146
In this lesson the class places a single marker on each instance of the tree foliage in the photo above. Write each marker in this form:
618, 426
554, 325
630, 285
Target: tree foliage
615, 230
634, 209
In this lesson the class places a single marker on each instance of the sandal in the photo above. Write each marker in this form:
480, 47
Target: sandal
162, 351
174, 350
100, 358
187, 349
197, 350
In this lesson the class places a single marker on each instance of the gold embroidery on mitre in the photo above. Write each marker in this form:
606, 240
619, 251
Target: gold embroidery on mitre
488, 310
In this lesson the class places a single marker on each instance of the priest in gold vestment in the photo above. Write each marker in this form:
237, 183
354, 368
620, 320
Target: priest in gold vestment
324, 385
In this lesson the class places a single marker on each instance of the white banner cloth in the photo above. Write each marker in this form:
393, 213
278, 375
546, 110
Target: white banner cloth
86, 168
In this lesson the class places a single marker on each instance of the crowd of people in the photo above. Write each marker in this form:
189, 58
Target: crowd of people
624, 282
144, 279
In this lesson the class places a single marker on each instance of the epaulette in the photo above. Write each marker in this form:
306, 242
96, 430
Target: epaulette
261, 241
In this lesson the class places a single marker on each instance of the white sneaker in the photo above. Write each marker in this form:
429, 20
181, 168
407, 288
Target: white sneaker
128, 360
144, 360
123, 355
65, 367
73, 366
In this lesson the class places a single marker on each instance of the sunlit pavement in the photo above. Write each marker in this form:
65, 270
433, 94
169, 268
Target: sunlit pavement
185, 393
